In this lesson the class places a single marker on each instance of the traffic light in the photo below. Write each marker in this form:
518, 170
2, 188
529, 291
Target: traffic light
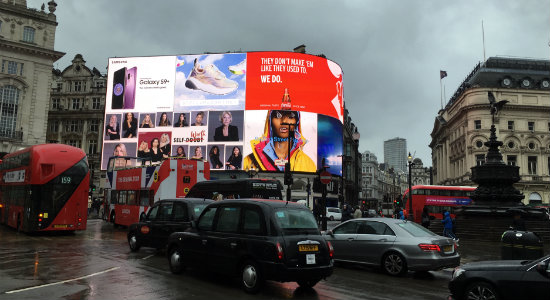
397, 202
92, 187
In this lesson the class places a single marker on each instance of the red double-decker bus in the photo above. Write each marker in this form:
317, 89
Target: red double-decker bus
437, 198
45, 188
134, 184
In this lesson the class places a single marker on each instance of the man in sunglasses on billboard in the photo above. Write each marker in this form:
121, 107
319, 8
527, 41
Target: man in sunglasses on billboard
270, 152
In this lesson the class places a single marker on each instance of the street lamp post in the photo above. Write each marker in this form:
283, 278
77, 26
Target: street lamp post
409, 159
288, 173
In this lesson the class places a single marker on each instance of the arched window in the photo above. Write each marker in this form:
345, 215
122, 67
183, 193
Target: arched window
535, 199
28, 34
9, 102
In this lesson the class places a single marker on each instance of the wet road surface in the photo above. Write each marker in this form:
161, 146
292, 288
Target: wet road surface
97, 264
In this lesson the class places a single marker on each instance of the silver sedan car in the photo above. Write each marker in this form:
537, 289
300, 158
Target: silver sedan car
393, 244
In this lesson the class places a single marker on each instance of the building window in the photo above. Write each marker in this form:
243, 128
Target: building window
73, 126
12, 67
94, 125
9, 103
531, 146
28, 34
100, 84
510, 125
74, 143
59, 86
55, 103
511, 145
532, 165
477, 124
480, 159
96, 103
479, 144
512, 160
76, 103
79, 86
531, 126
54, 126
92, 147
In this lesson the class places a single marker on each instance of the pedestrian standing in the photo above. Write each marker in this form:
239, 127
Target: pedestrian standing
425, 217
358, 213
346, 213
401, 215
448, 226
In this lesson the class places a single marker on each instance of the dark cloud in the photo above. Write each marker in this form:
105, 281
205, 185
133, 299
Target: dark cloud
391, 51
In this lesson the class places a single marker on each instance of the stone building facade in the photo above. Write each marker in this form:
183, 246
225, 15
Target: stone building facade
523, 125
76, 112
27, 38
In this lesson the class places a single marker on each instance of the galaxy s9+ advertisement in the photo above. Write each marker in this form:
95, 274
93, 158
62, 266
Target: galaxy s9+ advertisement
238, 111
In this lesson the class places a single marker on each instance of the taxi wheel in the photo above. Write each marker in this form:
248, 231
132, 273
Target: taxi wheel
251, 277
481, 290
394, 264
133, 242
308, 283
175, 260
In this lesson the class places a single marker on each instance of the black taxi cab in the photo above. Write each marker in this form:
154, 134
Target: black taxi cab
254, 240
163, 218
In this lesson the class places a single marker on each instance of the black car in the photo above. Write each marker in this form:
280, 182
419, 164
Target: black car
163, 218
505, 279
255, 240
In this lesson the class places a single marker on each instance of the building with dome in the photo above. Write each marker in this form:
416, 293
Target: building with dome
523, 125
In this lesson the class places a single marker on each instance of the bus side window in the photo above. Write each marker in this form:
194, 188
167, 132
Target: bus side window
132, 199
143, 198
122, 197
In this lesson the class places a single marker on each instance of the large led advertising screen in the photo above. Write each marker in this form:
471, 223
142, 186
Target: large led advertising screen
236, 110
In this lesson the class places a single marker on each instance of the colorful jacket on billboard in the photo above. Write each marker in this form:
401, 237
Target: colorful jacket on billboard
261, 159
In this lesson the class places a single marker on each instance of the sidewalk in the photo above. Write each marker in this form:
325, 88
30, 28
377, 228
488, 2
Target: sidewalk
471, 251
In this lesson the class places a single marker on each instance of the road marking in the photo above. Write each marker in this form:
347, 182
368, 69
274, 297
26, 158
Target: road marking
61, 282
146, 257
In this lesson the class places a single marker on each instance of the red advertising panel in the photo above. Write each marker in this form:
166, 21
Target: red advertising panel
313, 83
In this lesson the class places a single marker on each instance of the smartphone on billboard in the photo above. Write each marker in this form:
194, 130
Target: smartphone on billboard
119, 80
130, 90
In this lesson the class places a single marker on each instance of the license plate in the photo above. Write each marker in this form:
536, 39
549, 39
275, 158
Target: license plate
60, 226
308, 248
448, 248
310, 259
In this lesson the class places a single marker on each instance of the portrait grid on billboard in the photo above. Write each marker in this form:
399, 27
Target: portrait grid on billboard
147, 120
233, 122
130, 125
122, 149
181, 119
216, 156
112, 127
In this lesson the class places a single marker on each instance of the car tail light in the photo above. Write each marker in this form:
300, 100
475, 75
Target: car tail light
330, 250
429, 247
79, 220
280, 252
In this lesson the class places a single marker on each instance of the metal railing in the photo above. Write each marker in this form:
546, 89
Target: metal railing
11, 135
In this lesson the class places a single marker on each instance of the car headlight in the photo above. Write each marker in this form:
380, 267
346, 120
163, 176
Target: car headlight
457, 272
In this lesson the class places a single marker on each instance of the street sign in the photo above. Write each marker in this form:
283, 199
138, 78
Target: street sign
325, 177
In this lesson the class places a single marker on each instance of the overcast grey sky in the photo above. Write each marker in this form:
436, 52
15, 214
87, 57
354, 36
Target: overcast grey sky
391, 51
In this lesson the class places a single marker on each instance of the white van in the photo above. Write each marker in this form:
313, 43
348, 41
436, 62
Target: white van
334, 214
